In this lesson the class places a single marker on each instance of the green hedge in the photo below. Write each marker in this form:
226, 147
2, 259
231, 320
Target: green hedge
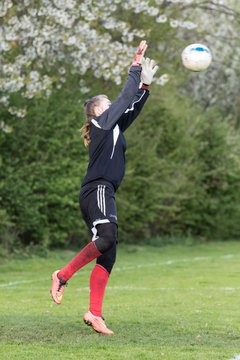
182, 178
43, 163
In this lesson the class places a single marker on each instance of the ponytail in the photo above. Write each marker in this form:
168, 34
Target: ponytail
85, 132
89, 107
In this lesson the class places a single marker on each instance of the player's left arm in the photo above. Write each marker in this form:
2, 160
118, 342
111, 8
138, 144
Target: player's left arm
149, 68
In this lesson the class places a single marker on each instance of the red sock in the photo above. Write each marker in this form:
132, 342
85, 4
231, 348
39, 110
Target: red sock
87, 254
98, 282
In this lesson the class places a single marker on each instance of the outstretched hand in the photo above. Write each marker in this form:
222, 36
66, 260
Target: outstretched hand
149, 69
140, 53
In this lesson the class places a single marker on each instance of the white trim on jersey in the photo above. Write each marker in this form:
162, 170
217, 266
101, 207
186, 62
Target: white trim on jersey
132, 108
95, 123
94, 229
116, 133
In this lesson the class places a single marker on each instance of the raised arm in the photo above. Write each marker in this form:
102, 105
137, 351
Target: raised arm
109, 117
149, 69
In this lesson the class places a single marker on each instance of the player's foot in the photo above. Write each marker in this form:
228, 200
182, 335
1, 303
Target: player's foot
58, 286
97, 323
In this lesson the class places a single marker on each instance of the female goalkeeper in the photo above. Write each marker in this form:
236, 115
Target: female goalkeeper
103, 133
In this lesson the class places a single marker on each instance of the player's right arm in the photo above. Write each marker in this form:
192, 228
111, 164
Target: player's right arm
109, 117
149, 68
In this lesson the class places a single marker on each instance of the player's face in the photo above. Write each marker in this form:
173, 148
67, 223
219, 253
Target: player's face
102, 106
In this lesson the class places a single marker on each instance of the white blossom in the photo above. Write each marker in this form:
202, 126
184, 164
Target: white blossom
4, 6
20, 113
162, 80
4, 100
162, 18
34, 75
84, 89
61, 37
5, 128
174, 23
62, 70
152, 11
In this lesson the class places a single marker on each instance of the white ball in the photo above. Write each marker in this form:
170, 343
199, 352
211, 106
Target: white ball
196, 57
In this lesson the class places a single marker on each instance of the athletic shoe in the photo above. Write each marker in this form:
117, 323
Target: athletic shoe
58, 286
97, 323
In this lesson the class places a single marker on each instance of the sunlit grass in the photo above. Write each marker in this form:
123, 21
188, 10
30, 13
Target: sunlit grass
175, 302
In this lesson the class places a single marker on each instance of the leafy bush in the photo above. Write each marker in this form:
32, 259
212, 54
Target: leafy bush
43, 162
183, 172
182, 175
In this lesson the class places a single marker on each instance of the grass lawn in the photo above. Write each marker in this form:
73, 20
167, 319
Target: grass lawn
171, 303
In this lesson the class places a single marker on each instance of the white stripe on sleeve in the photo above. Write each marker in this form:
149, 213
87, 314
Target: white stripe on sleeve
135, 102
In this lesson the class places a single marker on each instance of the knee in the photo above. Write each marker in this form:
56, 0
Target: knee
107, 236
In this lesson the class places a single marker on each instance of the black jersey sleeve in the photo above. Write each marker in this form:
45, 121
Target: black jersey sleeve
133, 110
109, 117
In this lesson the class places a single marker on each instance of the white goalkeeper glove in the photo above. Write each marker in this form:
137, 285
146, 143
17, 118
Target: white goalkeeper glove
149, 69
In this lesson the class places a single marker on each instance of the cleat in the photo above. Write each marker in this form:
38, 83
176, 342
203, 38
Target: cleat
97, 323
58, 286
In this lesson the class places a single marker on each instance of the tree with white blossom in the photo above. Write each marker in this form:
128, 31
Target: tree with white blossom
55, 53
42, 42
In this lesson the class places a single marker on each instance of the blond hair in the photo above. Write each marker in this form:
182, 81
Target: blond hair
89, 107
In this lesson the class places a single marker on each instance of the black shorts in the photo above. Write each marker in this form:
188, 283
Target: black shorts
97, 204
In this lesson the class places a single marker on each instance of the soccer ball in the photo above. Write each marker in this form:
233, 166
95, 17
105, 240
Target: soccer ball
196, 57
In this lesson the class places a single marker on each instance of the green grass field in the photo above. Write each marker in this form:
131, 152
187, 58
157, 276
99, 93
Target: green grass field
171, 303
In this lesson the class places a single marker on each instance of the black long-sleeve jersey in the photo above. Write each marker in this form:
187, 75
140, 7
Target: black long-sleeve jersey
107, 147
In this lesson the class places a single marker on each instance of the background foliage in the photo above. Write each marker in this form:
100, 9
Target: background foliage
183, 172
